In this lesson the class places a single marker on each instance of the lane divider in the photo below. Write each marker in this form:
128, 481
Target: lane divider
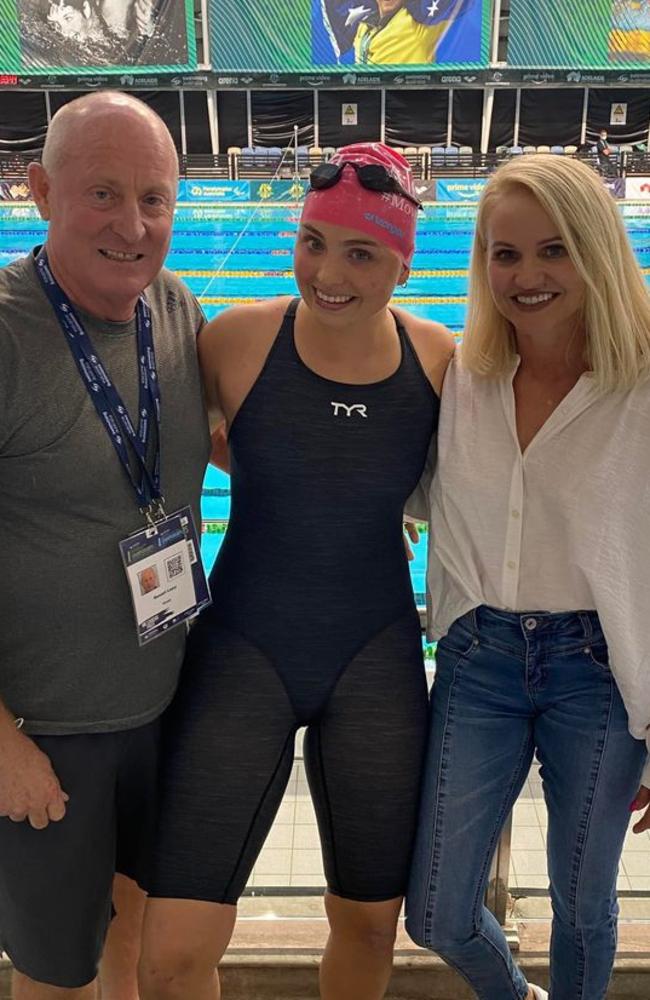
230, 300
289, 274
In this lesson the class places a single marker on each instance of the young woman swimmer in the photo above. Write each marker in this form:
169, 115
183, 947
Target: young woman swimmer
330, 401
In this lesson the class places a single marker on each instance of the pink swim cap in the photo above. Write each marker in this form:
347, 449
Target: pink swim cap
388, 217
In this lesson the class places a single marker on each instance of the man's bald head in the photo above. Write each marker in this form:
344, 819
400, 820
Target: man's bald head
76, 123
107, 187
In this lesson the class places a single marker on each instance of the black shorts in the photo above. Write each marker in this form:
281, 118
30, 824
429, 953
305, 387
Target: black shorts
56, 883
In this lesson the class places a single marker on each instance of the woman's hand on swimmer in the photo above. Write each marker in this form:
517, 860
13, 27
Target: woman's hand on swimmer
411, 535
642, 801
220, 454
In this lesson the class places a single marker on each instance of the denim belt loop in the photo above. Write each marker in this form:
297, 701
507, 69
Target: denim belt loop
587, 626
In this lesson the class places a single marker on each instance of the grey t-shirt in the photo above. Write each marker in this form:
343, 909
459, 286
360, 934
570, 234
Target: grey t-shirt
69, 658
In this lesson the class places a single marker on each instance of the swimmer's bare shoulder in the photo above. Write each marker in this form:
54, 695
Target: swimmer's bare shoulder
233, 348
433, 342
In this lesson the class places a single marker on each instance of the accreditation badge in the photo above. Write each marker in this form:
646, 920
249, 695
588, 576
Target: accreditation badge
165, 574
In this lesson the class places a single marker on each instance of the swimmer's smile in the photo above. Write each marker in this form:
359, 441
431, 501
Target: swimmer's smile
333, 302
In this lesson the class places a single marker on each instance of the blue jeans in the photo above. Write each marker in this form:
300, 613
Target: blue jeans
509, 685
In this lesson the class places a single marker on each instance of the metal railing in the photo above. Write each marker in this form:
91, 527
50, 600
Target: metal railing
427, 164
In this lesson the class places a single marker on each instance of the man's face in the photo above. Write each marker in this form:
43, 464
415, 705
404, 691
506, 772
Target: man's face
148, 580
70, 21
110, 207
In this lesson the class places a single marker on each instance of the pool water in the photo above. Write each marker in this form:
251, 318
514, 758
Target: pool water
232, 254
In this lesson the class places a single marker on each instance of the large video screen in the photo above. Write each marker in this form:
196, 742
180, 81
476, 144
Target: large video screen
580, 34
304, 36
107, 36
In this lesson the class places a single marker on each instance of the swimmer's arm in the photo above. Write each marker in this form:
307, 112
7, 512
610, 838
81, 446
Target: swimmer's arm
232, 348
208, 350
434, 345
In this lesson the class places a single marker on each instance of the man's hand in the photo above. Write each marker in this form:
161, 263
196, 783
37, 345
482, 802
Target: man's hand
642, 801
29, 788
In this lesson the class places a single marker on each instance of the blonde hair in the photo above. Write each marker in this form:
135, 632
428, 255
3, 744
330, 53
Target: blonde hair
616, 308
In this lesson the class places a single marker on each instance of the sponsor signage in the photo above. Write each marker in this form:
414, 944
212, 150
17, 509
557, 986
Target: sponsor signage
223, 191
228, 192
459, 189
329, 81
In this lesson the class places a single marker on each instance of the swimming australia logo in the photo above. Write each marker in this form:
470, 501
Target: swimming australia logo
359, 408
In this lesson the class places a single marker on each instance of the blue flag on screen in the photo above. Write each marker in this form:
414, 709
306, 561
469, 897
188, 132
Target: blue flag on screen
343, 17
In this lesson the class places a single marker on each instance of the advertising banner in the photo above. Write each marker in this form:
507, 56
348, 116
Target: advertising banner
459, 189
278, 190
579, 33
222, 191
231, 192
306, 36
107, 36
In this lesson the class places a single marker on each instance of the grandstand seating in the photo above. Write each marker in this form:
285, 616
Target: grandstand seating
257, 162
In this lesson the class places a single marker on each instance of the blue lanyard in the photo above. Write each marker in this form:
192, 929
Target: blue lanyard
106, 399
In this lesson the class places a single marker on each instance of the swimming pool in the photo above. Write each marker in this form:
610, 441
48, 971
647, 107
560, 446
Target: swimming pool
237, 253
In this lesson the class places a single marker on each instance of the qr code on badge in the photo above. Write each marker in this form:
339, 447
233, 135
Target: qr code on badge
174, 566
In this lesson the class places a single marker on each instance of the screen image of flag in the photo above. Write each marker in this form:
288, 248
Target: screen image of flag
579, 34
629, 38
110, 36
402, 32
307, 36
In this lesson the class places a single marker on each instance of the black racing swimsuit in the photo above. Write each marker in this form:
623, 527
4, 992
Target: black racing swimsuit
313, 623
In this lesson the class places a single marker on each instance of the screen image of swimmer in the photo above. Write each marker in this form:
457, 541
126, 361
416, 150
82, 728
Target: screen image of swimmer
318, 35
579, 34
107, 35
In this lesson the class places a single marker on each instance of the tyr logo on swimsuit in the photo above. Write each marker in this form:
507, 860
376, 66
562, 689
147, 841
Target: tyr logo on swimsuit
349, 410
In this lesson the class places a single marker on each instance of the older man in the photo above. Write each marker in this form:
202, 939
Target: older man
82, 687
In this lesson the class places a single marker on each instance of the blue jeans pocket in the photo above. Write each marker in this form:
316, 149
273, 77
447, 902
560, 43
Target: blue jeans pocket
457, 645
599, 655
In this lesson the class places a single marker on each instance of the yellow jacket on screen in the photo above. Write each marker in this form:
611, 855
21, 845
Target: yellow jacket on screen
401, 40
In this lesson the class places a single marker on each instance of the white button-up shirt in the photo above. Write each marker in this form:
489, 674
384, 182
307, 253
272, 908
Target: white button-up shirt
565, 526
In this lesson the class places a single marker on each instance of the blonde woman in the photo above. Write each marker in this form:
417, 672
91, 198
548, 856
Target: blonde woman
540, 577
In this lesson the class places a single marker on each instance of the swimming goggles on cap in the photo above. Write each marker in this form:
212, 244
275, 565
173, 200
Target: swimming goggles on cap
372, 176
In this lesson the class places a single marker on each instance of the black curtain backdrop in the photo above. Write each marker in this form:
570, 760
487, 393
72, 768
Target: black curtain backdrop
231, 116
417, 117
502, 127
467, 116
197, 125
550, 117
276, 112
638, 114
333, 132
164, 102
23, 121
60, 97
